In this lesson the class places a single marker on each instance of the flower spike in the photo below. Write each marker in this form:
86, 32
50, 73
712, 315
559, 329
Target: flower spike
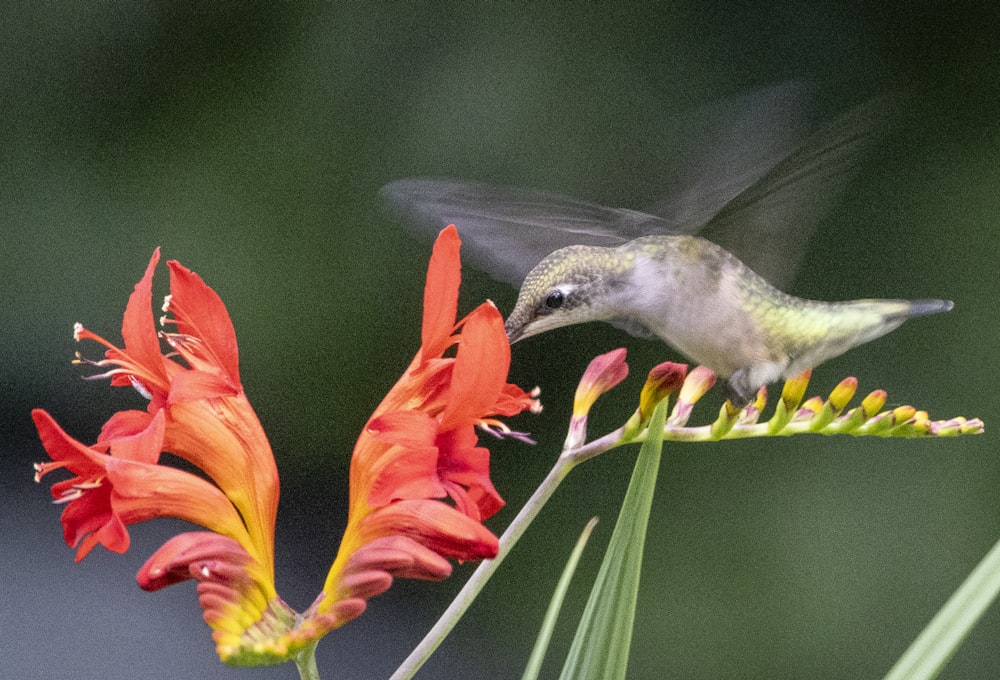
420, 485
814, 415
791, 416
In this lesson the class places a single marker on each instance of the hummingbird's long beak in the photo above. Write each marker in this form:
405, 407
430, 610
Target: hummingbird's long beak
513, 334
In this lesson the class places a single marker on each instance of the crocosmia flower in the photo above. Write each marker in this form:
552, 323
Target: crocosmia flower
197, 410
419, 483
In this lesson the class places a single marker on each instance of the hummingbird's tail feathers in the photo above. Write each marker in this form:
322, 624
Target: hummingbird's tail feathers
898, 311
844, 325
925, 307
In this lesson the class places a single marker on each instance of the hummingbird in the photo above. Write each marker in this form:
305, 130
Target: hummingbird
704, 302
658, 275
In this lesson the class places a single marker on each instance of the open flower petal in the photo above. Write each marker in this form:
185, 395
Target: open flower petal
200, 313
420, 485
480, 371
444, 275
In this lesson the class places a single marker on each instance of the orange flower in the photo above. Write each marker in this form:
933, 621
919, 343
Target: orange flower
198, 411
419, 448
419, 487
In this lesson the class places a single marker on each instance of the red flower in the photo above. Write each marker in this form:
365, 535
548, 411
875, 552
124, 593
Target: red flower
419, 448
198, 411
419, 489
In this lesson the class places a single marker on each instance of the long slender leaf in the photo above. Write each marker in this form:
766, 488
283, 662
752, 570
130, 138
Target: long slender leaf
941, 638
601, 645
555, 604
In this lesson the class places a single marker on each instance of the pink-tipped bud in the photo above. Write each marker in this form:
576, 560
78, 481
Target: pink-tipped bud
696, 385
663, 380
873, 403
603, 373
843, 393
794, 390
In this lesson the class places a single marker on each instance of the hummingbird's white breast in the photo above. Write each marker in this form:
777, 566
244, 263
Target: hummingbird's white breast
697, 306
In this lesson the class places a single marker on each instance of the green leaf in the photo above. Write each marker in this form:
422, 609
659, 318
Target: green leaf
944, 634
552, 613
601, 645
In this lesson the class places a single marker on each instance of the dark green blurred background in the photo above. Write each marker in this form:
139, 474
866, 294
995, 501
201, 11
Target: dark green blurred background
250, 142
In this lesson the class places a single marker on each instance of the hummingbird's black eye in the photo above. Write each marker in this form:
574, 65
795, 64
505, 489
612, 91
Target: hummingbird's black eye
554, 299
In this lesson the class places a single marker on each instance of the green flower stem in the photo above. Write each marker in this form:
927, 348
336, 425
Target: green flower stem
305, 661
436, 635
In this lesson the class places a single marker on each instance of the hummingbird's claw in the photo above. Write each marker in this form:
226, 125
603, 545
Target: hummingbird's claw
738, 392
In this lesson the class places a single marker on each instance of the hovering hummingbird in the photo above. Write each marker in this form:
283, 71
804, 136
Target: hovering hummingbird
654, 277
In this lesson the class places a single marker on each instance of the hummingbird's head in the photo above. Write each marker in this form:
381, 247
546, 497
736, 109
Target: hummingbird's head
571, 285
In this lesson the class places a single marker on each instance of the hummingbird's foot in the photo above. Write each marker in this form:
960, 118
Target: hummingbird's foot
739, 391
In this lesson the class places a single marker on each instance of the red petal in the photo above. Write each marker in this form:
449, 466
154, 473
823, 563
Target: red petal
371, 568
200, 312
143, 446
466, 469
444, 274
90, 520
412, 473
480, 371
124, 424
434, 525
79, 459
406, 428
138, 326
173, 561
194, 385
403, 458
142, 491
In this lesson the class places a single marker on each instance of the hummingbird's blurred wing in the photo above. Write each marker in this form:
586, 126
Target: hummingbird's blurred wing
758, 205
506, 231
768, 225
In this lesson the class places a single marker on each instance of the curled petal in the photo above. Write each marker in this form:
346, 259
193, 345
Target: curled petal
434, 525
371, 568
251, 625
195, 554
